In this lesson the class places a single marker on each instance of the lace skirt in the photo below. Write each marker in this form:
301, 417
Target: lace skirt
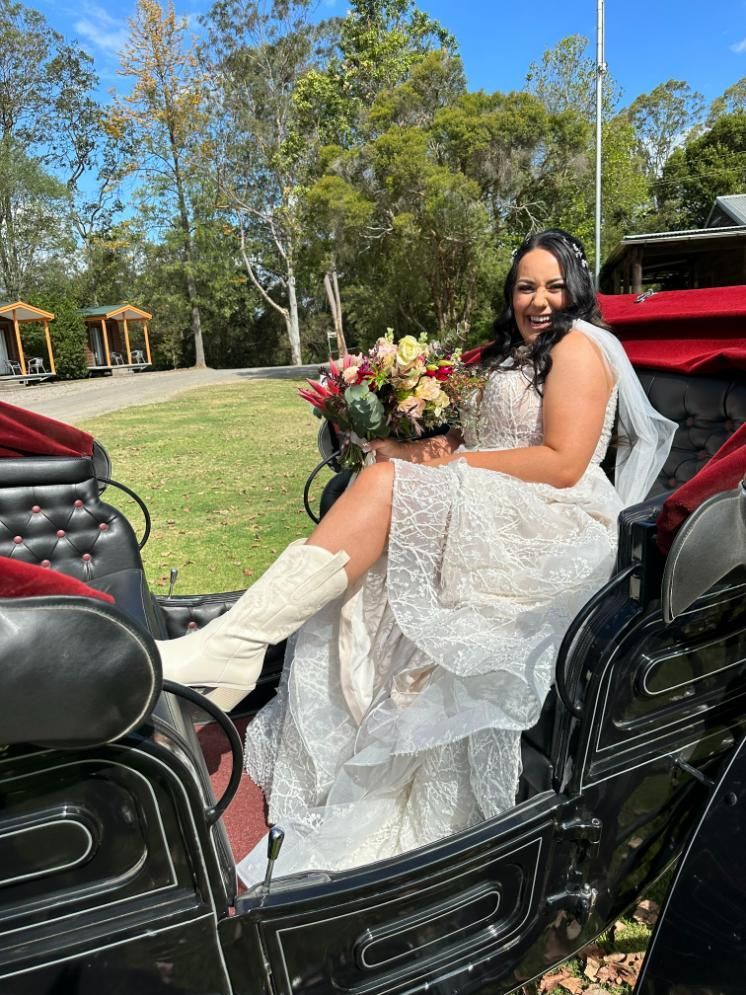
399, 714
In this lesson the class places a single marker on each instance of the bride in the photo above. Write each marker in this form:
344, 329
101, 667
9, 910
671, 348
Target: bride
429, 603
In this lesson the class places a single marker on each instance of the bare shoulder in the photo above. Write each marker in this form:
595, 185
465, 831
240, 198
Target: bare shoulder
576, 346
577, 351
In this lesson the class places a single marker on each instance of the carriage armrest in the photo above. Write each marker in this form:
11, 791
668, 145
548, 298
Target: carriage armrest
130, 591
637, 529
76, 672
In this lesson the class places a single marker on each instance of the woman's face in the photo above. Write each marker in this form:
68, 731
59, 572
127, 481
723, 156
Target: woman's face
539, 291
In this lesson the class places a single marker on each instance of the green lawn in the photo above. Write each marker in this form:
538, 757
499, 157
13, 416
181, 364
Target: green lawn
222, 471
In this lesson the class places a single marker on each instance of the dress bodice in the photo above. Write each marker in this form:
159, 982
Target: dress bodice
509, 415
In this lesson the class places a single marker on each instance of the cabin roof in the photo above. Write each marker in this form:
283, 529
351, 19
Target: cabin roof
23, 311
732, 206
119, 311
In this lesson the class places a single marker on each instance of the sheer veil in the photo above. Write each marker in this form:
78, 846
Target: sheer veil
645, 435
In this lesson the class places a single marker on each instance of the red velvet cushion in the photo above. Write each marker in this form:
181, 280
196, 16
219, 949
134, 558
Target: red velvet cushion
27, 580
23, 433
722, 472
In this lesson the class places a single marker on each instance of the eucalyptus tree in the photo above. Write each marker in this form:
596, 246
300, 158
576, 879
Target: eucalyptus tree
730, 101
663, 119
47, 132
266, 148
160, 126
565, 79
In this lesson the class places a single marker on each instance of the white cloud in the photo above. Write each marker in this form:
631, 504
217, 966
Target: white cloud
739, 47
101, 29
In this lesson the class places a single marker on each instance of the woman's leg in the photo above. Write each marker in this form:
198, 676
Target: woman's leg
358, 522
227, 653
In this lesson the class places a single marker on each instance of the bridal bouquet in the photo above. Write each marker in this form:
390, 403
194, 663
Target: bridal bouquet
403, 390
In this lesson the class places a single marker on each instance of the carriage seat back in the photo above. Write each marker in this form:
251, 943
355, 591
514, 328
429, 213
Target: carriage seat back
708, 411
51, 514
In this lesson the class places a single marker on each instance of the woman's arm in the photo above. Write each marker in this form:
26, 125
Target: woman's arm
421, 451
576, 392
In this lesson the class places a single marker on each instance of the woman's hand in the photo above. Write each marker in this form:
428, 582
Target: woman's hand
420, 451
388, 449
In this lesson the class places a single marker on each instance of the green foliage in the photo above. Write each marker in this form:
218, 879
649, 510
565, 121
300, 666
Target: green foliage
662, 118
69, 336
565, 79
731, 101
366, 413
348, 147
707, 167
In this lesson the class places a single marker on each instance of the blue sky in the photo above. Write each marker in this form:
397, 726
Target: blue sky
647, 41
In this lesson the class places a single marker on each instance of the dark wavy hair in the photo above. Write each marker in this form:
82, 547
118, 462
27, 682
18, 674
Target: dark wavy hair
570, 254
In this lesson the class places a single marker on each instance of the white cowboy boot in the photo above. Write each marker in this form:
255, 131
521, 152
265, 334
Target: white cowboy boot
227, 654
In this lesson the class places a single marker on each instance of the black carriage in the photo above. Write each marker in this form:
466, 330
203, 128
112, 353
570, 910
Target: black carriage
116, 872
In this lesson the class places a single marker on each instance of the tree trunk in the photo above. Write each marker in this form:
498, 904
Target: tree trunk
199, 348
292, 322
331, 285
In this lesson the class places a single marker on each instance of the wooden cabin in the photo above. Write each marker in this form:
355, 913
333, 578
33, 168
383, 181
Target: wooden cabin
15, 362
713, 256
117, 338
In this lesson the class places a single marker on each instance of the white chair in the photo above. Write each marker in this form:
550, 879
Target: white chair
35, 364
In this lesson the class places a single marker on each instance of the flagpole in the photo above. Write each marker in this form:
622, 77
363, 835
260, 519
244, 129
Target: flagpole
600, 73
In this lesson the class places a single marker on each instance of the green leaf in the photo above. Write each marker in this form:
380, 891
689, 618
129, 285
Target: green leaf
367, 416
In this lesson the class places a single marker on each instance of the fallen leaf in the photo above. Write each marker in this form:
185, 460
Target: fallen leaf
646, 912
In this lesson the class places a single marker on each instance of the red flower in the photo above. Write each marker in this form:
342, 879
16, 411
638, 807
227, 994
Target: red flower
319, 393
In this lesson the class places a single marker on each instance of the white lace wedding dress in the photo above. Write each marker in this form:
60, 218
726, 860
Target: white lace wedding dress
446, 650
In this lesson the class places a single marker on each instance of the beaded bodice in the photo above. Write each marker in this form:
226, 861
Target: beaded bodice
508, 415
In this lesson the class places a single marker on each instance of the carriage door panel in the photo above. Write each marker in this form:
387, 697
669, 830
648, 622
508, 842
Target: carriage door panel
674, 691
445, 913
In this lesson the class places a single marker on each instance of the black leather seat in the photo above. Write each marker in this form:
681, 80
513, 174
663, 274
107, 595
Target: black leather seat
52, 514
707, 409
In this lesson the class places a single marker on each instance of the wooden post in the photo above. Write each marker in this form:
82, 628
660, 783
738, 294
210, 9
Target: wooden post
48, 339
147, 342
107, 354
17, 330
637, 273
127, 341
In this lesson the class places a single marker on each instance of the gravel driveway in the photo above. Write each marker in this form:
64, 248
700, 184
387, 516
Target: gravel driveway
76, 401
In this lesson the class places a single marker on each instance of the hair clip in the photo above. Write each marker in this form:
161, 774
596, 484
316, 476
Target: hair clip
578, 252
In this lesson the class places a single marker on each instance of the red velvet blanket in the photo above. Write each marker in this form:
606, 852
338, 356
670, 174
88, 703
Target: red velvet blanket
23, 433
28, 580
689, 331
722, 472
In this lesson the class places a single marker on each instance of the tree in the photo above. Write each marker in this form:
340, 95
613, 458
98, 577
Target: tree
161, 122
729, 102
663, 119
45, 136
266, 147
565, 79
32, 218
708, 166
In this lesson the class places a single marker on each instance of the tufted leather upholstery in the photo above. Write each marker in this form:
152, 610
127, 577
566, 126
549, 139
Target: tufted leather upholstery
51, 514
185, 613
708, 410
